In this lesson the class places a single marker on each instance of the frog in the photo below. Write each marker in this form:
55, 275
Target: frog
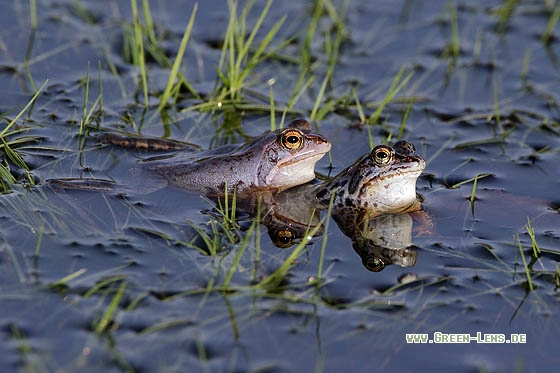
382, 181
274, 161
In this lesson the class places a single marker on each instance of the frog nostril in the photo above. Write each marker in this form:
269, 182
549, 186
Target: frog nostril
272, 155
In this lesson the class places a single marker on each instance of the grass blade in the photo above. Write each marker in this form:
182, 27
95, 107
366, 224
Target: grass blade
138, 51
549, 31
107, 317
180, 53
527, 272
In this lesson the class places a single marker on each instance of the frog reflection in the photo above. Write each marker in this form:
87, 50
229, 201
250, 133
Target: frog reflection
288, 215
381, 240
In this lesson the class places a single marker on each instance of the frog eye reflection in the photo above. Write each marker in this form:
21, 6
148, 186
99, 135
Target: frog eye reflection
382, 154
292, 140
283, 238
373, 263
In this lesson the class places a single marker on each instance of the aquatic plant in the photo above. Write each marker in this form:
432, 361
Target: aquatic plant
7, 178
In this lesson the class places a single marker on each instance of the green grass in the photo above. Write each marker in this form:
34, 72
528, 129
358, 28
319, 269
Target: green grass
551, 25
140, 39
525, 266
137, 49
275, 279
107, 319
149, 29
88, 116
404, 119
63, 282
473, 194
505, 13
534, 244
33, 14
399, 82
453, 48
174, 73
525, 66
239, 54
240, 250
474, 180
332, 50
7, 180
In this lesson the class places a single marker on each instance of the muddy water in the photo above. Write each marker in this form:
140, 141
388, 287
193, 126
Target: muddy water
489, 110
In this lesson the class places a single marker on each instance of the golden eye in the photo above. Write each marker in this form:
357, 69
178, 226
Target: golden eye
373, 263
382, 154
283, 238
292, 140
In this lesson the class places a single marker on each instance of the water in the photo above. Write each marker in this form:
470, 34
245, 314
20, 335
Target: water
492, 111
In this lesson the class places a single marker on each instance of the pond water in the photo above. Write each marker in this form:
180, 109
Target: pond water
121, 279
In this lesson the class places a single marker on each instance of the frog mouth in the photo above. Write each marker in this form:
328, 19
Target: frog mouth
381, 178
304, 158
395, 173
312, 155
297, 171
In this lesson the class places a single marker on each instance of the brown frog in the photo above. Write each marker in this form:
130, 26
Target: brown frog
274, 161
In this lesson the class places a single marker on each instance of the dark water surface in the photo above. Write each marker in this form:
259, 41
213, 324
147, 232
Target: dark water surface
140, 298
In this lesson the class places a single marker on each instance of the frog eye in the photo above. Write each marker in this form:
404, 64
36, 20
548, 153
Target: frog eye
373, 263
382, 154
292, 140
283, 238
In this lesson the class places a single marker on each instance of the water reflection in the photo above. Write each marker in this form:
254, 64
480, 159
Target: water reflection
288, 215
380, 240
